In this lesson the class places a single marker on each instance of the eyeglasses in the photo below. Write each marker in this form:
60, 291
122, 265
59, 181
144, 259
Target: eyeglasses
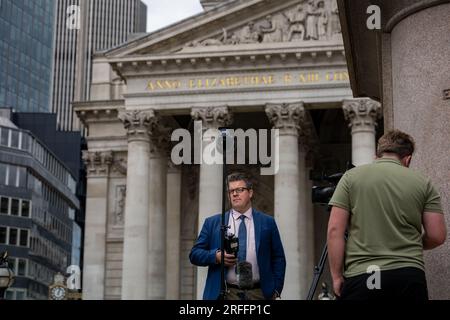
237, 190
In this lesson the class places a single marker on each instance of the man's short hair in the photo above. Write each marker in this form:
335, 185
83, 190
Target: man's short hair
396, 141
240, 176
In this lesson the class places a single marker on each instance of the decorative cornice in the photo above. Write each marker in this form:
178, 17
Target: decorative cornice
98, 111
362, 114
286, 117
213, 117
230, 56
139, 123
97, 163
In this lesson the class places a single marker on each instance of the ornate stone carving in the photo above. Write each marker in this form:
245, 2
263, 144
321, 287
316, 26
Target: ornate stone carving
286, 116
138, 122
119, 212
213, 117
296, 19
119, 166
97, 162
160, 138
309, 20
362, 114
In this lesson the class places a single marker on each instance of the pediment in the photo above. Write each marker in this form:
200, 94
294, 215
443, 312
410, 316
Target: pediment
242, 25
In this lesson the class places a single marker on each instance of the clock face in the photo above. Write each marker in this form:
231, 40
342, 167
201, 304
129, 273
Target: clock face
58, 293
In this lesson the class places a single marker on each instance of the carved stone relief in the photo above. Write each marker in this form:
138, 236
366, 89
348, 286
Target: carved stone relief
309, 20
119, 212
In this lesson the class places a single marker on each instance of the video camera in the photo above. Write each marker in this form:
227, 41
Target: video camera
231, 244
322, 194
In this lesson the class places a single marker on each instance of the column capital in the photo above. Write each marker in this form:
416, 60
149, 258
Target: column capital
213, 117
362, 114
286, 116
138, 123
160, 140
97, 163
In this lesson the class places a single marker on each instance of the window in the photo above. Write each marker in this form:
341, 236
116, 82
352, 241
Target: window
14, 139
14, 207
9, 295
25, 142
22, 267
4, 205
12, 176
20, 295
25, 208
12, 236
23, 238
2, 235
22, 177
4, 137
3, 168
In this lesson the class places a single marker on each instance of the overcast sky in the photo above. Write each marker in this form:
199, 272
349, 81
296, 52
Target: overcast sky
161, 13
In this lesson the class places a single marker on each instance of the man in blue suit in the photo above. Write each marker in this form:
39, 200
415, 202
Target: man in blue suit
259, 244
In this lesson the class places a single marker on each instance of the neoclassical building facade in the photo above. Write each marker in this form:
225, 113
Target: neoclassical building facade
242, 64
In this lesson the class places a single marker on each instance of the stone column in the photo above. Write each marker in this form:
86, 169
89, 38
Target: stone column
308, 145
312, 146
210, 184
286, 118
135, 247
173, 231
156, 277
362, 115
98, 165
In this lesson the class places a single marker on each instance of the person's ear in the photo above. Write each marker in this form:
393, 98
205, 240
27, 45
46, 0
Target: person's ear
250, 192
407, 161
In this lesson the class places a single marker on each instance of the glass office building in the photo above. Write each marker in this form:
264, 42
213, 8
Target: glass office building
26, 54
37, 212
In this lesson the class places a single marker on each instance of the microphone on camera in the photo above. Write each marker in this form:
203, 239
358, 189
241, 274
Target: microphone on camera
245, 275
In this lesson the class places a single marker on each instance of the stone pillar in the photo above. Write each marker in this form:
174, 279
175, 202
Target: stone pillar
173, 231
362, 115
420, 77
210, 184
308, 146
312, 149
288, 185
98, 165
135, 247
157, 214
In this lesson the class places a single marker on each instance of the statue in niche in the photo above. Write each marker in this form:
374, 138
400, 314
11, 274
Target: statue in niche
296, 21
322, 20
120, 208
311, 21
273, 30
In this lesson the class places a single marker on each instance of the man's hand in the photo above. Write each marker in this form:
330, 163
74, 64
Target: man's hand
229, 259
337, 285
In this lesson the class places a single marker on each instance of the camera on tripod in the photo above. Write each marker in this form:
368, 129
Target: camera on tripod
231, 244
322, 194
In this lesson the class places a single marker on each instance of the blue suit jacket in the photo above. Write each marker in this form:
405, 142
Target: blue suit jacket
269, 253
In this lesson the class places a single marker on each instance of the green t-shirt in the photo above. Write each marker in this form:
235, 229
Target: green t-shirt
386, 201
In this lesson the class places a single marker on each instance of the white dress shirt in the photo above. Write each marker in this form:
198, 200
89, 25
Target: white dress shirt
234, 222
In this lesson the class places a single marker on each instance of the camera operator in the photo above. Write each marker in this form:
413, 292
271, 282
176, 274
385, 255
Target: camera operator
260, 256
385, 206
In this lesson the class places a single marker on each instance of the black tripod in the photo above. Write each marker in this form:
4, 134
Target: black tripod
223, 227
318, 270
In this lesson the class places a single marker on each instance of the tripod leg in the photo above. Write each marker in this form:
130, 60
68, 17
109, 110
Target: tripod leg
318, 270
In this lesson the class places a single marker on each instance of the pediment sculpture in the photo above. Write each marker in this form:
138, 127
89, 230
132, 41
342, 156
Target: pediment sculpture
308, 21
